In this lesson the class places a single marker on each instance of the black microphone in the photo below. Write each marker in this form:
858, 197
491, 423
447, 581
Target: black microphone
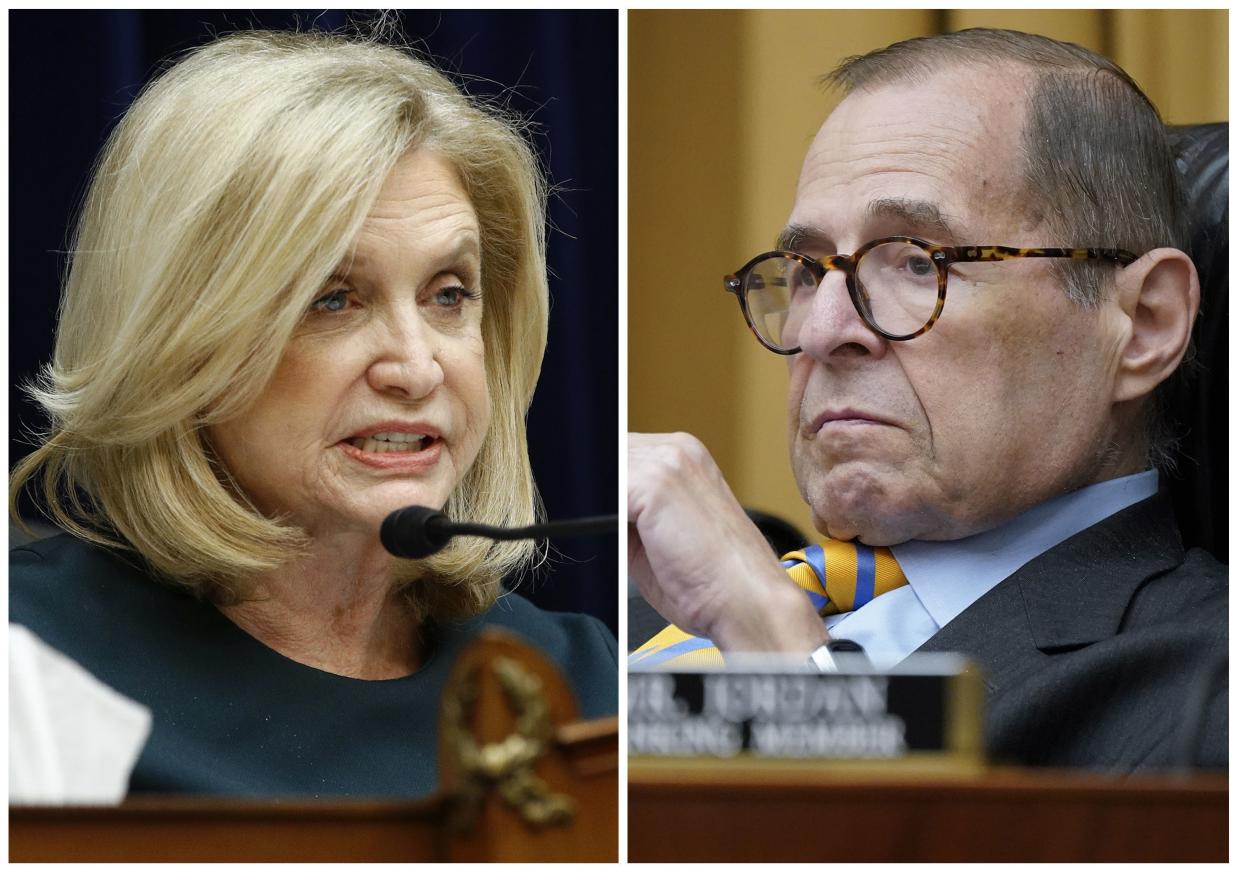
416, 532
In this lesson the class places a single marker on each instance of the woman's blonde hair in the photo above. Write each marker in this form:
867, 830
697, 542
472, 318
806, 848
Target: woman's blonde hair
227, 195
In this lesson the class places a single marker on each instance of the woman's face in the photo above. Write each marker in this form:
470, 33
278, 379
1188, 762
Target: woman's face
380, 400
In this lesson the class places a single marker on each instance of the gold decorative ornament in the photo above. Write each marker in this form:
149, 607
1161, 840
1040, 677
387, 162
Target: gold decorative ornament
507, 765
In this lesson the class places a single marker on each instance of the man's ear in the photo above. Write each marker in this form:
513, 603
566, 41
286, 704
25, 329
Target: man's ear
1160, 295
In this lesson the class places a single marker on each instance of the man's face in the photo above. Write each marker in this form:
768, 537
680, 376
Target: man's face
1007, 400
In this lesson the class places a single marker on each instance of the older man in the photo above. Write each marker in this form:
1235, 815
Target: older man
980, 287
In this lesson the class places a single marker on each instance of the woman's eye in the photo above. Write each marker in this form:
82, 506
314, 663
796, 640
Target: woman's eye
452, 297
333, 302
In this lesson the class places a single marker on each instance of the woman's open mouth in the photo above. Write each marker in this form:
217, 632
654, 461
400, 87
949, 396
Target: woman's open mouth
392, 442
407, 452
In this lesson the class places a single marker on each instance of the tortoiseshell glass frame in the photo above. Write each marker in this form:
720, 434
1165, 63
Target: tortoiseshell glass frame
941, 256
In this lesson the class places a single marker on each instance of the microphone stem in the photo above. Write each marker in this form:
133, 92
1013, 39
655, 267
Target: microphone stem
585, 526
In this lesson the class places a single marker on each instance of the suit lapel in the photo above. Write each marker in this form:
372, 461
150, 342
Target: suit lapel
1075, 594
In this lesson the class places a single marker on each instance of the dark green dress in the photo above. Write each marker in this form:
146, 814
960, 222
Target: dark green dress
233, 717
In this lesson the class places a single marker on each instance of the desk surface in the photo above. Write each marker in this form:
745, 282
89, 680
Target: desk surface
748, 811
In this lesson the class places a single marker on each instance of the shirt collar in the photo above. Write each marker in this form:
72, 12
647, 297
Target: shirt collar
948, 576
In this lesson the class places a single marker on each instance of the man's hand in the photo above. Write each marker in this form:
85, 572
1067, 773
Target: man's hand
700, 561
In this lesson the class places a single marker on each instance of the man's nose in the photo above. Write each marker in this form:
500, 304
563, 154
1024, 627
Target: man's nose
406, 364
833, 326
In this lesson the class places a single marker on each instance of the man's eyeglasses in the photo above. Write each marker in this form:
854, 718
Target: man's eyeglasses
897, 284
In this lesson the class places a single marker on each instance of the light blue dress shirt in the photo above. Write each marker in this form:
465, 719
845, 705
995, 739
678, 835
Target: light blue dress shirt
946, 577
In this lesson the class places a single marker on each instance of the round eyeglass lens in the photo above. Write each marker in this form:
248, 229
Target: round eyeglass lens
899, 284
777, 290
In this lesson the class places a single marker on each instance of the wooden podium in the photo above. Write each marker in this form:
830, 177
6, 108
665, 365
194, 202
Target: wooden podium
708, 811
522, 779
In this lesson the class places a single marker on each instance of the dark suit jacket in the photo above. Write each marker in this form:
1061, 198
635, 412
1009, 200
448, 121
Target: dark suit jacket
1093, 650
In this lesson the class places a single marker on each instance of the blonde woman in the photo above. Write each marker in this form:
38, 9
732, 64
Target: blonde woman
307, 288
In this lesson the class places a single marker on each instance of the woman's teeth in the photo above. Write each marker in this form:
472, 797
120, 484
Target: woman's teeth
391, 442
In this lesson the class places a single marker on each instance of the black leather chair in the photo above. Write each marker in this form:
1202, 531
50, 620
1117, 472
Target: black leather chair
1200, 399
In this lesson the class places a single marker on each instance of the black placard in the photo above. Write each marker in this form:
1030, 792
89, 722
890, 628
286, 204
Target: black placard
792, 714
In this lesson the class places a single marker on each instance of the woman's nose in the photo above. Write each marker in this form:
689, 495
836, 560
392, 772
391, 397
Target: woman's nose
406, 364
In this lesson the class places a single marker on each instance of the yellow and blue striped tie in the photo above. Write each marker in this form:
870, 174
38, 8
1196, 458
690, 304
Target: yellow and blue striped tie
837, 576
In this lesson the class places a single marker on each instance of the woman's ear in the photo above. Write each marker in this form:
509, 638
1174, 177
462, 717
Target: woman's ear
1160, 295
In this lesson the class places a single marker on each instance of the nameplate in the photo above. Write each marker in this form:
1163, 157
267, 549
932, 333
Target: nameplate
765, 709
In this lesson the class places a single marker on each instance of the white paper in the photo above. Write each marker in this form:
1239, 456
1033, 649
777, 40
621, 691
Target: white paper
72, 739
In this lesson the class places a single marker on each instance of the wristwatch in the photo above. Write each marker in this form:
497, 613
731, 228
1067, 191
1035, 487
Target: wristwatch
821, 658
